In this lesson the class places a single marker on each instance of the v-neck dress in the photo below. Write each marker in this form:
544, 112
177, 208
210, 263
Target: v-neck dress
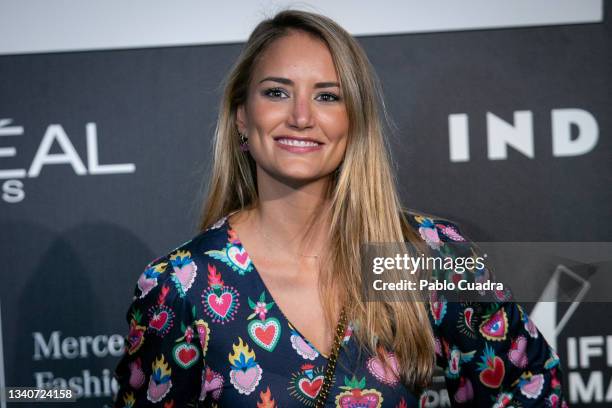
205, 332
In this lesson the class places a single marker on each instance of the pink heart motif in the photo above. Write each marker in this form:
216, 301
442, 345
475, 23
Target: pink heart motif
303, 348
430, 235
239, 257
367, 399
465, 392
137, 376
220, 304
186, 274
533, 388
146, 284
213, 383
156, 392
245, 381
377, 369
517, 354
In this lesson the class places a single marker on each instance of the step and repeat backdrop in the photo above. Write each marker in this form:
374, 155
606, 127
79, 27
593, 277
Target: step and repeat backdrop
502, 119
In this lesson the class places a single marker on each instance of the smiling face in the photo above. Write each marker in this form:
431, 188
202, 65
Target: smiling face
295, 117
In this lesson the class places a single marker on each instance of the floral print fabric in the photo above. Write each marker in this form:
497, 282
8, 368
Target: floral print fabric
204, 331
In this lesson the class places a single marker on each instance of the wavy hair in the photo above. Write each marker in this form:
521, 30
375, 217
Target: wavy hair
364, 203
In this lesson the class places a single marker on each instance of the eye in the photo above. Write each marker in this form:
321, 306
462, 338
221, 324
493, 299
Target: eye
330, 97
274, 93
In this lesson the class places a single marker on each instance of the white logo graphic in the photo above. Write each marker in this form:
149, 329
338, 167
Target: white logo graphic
519, 136
13, 188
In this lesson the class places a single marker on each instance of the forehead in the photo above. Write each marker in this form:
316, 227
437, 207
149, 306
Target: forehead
297, 55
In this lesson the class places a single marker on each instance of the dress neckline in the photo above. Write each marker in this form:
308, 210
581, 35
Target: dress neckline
231, 232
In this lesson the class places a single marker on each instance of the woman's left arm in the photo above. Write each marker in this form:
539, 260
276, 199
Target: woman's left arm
492, 353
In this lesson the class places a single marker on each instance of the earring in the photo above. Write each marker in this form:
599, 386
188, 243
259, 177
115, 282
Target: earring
244, 142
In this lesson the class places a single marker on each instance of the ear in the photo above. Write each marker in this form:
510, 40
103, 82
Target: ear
241, 119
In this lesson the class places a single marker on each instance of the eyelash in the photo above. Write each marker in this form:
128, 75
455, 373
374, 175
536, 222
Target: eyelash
270, 90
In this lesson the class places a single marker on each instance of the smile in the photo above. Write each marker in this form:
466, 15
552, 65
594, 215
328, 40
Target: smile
294, 142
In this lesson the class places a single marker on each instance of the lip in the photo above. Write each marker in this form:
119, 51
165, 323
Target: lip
306, 139
298, 149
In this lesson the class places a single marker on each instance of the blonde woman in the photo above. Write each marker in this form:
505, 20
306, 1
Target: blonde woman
264, 307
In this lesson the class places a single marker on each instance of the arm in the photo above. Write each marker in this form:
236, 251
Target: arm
163, 361
491, 352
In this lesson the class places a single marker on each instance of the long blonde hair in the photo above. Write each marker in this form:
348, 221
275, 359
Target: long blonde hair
364, 201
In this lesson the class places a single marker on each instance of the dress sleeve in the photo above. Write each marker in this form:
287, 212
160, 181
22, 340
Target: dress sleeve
492, 353
162, 362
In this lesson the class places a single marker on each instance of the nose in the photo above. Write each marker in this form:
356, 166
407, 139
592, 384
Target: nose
301, 112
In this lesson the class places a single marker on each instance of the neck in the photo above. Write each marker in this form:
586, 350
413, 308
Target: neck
285, 213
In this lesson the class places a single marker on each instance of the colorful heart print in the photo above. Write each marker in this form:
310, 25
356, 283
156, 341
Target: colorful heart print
438, 309
302, 347
265, 333
245, 381
496, 326
160, 381
185, 354
309, 387
221, 304
517, 353
239, 258
465, 391
368, 398
532, 387
387, 375
137, 376
212, 383
161, 319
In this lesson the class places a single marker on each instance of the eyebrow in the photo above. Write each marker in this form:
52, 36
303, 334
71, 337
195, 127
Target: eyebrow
287, 81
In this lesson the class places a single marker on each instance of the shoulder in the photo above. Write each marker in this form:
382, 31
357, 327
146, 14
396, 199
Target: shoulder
435, 230
178, 267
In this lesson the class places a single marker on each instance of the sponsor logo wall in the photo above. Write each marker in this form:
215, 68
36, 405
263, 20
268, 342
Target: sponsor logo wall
103, 155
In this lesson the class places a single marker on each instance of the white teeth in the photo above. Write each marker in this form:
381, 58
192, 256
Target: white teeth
293, 142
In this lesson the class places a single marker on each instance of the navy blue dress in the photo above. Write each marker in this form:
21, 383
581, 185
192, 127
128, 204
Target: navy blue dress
205, 331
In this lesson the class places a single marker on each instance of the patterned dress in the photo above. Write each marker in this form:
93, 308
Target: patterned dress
205, 331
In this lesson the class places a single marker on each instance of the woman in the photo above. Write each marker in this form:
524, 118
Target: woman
301, 178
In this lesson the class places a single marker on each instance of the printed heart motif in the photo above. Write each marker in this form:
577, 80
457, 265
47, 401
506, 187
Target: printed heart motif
377, 369
220, 305
213, 383
303, 348
368, 399
245, 381
135, 338
465, 392
430, 235
496, 326
203, 332
156, 392
265, 333
185, 354
517, 354
159, 320
450, 232
146, 284
438, 310
239, 257
468, 312
453, 366
311, 387
533, 387
185, 274
492, 376
137, 376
